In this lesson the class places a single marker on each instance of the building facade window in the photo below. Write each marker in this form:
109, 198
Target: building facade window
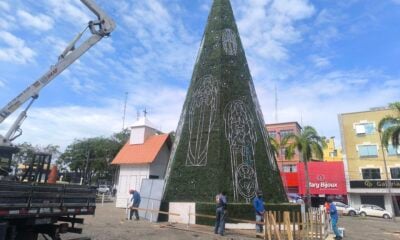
365, 128
333, 154
371, 173
367, 151
272, 134
395, 173
392, 151
282, 153
284, 133
289, 168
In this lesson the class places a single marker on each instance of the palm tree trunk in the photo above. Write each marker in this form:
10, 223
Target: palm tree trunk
307, 184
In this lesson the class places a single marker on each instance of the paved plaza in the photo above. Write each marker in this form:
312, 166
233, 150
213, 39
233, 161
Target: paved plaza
109, 223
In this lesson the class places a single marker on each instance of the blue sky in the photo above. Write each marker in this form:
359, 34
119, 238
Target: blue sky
325, 58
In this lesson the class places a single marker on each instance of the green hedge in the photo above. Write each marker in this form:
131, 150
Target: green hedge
239, 210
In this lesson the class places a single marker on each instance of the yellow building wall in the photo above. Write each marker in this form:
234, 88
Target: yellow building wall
350, 141
331, 153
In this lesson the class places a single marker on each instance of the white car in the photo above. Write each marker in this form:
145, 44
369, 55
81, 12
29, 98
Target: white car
103, 189
375, 211
346, 209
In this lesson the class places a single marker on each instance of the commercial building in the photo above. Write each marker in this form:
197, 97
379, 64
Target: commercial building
364, 158
331, 152
326, 177
288, 168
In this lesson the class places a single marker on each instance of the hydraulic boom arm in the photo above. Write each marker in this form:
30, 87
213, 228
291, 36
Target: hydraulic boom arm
100, 28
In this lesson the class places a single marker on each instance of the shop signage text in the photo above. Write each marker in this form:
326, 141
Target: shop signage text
323, 185
374, 184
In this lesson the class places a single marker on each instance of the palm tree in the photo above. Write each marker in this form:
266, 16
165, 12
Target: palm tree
309, 144
390, 125
276, 146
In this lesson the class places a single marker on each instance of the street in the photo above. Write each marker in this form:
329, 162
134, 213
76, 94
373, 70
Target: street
361, 228
109, 224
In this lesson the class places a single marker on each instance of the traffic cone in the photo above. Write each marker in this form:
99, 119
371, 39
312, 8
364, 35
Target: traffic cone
53, 175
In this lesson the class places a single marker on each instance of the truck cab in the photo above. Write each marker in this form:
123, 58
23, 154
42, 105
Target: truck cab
6, 153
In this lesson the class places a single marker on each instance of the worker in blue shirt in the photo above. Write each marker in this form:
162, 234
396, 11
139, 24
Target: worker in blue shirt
258, 204
334, 219
220, 217
135, 202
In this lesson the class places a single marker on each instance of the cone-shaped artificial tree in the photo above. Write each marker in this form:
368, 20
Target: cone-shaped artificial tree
221, 143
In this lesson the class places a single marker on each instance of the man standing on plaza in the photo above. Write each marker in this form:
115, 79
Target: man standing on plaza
258, 204
134, 201
334, 219
220, 213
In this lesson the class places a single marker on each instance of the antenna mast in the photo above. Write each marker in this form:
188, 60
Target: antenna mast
276, 104
123, 117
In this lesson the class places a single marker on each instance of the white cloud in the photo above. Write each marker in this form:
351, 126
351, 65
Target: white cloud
268, 27
72, 11
57, 44
325, 36
2, 83
83, 86
40, 22
161, 42
317, 102
320, 62
293, 9
7, 19
4, 6
62, 124
16, 50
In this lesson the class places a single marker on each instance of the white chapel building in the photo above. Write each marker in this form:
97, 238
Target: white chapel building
144, 156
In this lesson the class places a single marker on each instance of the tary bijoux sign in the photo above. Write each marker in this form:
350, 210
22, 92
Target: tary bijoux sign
322, 184
325, 178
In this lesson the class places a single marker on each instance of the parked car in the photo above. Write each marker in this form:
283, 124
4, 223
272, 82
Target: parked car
375, 211
346, 209
103, 189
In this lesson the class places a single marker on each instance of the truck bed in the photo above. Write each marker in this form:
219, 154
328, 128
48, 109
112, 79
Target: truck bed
25, 200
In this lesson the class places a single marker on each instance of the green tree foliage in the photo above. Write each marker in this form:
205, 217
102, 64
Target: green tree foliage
390, 126
309, 144
27, 151
92, 157
278, 146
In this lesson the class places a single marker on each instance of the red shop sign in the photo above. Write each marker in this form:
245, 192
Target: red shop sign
325, 178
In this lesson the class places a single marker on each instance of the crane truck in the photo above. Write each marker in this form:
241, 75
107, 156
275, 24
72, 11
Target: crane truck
32, 207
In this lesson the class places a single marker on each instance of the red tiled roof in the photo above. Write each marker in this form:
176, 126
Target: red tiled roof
141, 153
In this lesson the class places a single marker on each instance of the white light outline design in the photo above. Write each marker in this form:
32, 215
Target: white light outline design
203, 101
241, 135
229, 42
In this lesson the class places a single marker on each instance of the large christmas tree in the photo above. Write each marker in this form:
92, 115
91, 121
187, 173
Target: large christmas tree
221, 143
